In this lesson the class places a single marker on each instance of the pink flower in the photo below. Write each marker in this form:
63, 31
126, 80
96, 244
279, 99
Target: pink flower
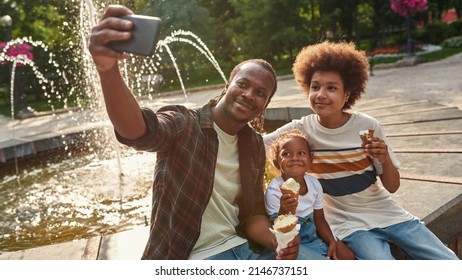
18, 49
402, 7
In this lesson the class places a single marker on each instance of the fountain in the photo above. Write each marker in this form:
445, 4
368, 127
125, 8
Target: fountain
89, 185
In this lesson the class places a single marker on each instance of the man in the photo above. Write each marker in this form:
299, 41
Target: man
208, 186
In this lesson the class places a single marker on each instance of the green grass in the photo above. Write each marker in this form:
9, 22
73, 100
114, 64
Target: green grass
427, 57
439, 55
42, 105
39, 106
384, 60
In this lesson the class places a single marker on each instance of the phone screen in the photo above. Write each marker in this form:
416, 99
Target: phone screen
144, 37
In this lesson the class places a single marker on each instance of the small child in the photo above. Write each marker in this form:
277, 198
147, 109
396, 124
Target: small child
292, 155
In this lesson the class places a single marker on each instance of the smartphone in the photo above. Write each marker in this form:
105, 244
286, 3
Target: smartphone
145, 33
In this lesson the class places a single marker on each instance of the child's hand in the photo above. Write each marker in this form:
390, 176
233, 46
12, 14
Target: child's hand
289, 202
377, 148
343, 252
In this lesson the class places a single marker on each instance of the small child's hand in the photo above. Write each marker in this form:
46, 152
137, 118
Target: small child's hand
332, 251
288, 203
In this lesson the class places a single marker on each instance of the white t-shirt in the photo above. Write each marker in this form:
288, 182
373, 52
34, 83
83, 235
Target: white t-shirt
306, 203
352, 200
219, 221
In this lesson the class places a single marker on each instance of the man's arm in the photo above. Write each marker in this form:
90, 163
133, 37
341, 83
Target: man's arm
122, 107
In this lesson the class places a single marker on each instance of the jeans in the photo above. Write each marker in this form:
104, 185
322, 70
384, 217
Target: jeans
413, 237
309, 237
243, 252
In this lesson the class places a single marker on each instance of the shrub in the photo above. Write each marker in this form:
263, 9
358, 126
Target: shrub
453, 42
436, 32
397, 39
455, 28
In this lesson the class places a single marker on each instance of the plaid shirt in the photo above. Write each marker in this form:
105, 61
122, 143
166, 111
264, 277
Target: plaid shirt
186, 145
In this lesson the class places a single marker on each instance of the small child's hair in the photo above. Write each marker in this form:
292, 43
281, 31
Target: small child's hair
282, 138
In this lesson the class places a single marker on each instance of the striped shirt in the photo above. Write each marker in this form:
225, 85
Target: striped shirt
186, 145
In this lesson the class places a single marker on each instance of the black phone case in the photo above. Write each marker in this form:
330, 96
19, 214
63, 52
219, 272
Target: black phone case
144, 37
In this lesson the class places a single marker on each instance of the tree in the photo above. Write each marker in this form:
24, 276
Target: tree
56, 27
407, 8
189, 16
40, 21
222, 36
343, 17
458, 7
274, 30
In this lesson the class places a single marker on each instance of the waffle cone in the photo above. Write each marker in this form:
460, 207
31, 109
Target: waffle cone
371, 132
365, 135
363, 139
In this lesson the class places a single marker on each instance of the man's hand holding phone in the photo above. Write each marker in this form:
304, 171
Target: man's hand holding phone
113, 27
144, 35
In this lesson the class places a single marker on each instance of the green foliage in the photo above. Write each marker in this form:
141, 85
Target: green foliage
454, 42
455, 28
180, 14
366, 15
366, 44
435, 33
272, 29
397, 39
43, 21
186, 15
233, 30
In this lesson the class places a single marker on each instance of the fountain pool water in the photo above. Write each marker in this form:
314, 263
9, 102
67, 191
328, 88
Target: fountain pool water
96, 186
65, 199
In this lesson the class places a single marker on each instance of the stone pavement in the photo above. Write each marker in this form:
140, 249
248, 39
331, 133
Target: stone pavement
419, 107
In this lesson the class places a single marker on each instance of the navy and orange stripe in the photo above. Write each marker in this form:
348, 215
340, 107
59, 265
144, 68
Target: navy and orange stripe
343, 172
